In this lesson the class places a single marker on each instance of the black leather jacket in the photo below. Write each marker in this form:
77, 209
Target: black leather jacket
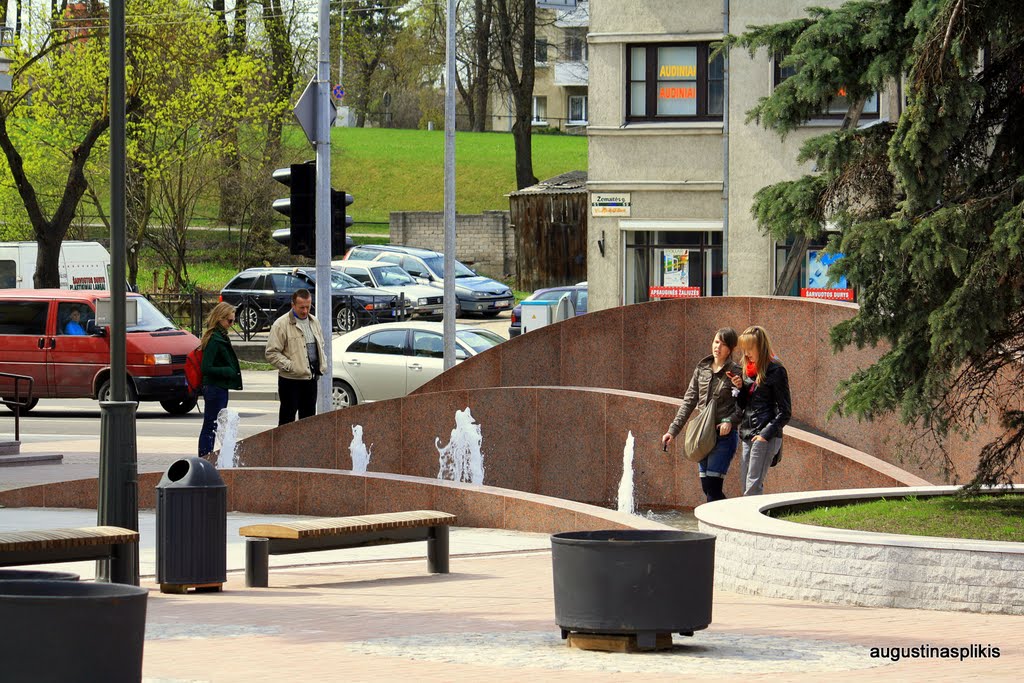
767, 407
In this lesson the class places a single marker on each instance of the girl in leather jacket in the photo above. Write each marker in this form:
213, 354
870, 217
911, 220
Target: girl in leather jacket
765, 400
712, 376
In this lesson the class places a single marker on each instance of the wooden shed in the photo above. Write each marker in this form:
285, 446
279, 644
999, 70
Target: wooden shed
550, 224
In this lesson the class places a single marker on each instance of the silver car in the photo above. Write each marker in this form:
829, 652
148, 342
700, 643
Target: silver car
425, 302
394, 359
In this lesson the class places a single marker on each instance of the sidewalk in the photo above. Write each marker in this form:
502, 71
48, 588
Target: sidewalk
257, 385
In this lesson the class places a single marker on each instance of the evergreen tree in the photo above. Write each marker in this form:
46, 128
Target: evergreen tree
930, 206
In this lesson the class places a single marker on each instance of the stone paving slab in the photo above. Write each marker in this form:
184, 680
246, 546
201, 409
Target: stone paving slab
492, 619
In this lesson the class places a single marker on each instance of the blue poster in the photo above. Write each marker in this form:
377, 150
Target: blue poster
818, 263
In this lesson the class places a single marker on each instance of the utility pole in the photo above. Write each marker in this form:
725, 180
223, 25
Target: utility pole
323, 199
448, 324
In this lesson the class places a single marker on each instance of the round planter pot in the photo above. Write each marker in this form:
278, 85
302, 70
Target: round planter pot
36, 575
71, 631
633, 581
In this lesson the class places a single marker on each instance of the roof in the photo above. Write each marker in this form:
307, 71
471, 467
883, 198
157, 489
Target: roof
570, 182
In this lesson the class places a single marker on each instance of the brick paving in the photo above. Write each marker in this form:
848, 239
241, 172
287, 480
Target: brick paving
333, 622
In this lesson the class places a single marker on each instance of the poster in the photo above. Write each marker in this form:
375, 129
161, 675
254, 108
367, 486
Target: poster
675, 267
818, 264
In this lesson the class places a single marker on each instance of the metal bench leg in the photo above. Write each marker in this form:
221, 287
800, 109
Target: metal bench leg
257, 562
123, 564
437, 550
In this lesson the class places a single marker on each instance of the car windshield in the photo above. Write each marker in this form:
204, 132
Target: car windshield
340, 280
479, 340
393, 276
550, 295
436, 265
148, 317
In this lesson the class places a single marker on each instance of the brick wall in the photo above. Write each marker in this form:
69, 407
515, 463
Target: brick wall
484, 242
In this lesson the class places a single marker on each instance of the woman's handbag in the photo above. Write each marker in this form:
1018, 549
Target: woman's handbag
702, 433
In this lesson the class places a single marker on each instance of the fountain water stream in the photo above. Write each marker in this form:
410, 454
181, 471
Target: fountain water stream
626, 502
359, 451
462, 459
227, 435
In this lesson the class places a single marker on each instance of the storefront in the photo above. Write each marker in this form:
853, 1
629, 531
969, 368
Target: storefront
671, 259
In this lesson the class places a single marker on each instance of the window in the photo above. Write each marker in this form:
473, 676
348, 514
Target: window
676, 258
838, 105
389, 342
540, 110
541, 51
72, 317
673, 82
23, 317
427, 345
244, 281
361, 275
286, 282
577, 109
8, 275
575, 45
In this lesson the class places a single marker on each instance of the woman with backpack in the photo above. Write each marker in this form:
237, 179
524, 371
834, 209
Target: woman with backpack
221, 371
765, 400
712, 380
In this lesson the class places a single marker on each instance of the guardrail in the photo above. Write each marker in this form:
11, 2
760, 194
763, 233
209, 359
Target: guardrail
17, 404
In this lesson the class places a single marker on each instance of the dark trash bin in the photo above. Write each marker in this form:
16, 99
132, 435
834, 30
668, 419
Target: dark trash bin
36, 575
70, 631
191, 527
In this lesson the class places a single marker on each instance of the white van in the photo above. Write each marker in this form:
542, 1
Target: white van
83, 265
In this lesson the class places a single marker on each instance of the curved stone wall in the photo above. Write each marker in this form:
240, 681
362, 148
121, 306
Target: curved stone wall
563, 442
653, 348
761, 555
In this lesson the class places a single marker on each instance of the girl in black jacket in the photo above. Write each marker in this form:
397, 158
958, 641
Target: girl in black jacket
765, 400
221, 372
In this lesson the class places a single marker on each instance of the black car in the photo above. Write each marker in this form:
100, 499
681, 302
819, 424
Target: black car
261, 295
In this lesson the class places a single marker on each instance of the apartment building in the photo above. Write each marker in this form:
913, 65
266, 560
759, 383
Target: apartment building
673, 164
561, 60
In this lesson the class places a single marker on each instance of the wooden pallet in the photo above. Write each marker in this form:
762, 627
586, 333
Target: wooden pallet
616, 642
181, 588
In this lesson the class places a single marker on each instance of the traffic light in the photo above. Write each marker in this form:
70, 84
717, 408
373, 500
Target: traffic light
300, 207
340, 221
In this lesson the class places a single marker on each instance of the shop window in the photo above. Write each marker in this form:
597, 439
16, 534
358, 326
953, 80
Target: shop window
577, 109
673, 82
838, 105
681, 260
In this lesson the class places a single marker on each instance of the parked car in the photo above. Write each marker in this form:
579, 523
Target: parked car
264, 294
424, 301
389, 361
68, 360
577, 294
475, 293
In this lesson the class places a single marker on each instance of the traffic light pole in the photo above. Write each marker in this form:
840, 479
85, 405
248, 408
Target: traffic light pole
448, 322
323, 199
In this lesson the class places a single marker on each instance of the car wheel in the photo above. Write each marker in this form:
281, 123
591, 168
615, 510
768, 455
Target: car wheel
104, 393
342, 395
248, 319
345, 319
182, 407
24, 408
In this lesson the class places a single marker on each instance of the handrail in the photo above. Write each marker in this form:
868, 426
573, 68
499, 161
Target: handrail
17, 402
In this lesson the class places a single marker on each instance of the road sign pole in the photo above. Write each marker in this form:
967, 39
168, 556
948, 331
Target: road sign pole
323, 200
448, 322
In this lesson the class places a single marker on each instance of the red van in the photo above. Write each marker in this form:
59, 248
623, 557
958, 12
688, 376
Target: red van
51, 335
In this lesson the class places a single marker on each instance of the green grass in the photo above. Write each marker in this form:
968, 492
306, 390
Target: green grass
388, 169
993, 517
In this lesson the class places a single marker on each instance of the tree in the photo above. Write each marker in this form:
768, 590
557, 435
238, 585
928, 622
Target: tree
930, 206
371, 28
516, 25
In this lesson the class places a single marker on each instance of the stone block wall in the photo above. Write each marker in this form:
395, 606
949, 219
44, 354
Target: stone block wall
484, 242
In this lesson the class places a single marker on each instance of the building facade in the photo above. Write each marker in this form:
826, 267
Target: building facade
560, 92
673, 164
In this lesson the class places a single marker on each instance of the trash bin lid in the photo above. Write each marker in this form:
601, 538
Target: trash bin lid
191, 472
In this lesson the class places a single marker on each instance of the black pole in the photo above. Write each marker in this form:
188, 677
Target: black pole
118, 503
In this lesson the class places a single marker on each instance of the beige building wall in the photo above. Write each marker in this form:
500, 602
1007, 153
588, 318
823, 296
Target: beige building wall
674, 171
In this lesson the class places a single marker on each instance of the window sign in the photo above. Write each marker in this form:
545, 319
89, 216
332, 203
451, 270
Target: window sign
818, 264
677, 81
675, 267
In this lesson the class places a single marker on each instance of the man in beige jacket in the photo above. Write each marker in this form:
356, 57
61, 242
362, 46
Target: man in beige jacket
296, 349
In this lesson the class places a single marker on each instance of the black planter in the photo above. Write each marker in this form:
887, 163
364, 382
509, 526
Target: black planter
633, 582
68, 631
36, 575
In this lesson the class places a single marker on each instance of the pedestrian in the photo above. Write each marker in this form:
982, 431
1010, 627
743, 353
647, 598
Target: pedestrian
711, 380
221, 371
767, 407
296, 348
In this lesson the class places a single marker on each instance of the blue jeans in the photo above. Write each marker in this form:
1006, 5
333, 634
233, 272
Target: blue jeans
716, 464
215, 400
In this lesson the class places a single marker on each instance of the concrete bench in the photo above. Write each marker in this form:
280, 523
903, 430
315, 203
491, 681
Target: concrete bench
333, 533
44, 546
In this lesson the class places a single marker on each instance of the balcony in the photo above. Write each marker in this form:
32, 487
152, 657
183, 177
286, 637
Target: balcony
568, 74
575, 18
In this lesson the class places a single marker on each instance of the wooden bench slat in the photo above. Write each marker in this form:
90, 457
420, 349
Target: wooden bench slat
329, 526
41, 539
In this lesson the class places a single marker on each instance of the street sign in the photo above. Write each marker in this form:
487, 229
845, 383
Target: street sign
305, 111
338, 92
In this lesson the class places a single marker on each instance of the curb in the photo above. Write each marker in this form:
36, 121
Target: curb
254, 395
